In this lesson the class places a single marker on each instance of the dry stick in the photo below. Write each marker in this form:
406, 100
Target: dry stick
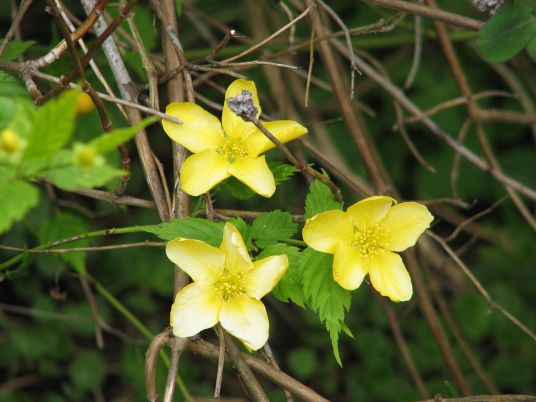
339, 88
128, 92
508, 116
473, 110
177, 346
278, 377
270, 356
432, 13
221, 361
417, 51
435, 325
219, 47
402, 345
250, 383
15, 25
94, 312
456, 158
466, 153
493, 304
310, 68
292, 33
486, 398
458, 335
79, 249
151, 360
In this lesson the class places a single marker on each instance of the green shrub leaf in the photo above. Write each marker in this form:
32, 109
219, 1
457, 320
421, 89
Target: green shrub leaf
271, 227
319, 199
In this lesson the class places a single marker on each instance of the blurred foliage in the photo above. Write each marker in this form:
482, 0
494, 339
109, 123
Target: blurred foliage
47, 336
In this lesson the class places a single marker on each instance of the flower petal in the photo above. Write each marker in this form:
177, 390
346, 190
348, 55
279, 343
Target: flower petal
233, 125
404, 223
254, 173
197, 307
389, 276
202, 171
246, 318
348, 268
326, 230
198, 259
370, 211
199, 130
236, 253
283, 130
265, 275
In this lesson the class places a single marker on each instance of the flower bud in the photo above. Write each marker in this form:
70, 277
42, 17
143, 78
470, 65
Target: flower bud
86, 156
9, 140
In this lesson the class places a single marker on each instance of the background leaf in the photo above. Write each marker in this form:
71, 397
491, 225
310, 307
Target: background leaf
271, 227
319, 199
190, 228
17, 198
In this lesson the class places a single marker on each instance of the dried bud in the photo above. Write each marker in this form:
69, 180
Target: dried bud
488, 6
243, 106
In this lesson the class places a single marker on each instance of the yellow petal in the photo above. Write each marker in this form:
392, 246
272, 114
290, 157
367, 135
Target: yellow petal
348, 268
237, 258
199, 130
254, 173
202, 171
283, 130
265, 275
404, 223
246, 319
389, 276
197, 307
370, 211
233, 125
326, 230
198, 259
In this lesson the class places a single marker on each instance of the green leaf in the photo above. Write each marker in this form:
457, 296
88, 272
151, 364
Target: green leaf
319, 199
63, 226
282, 171
88, 370
107, 142
323, 295
16, 273
178, 7
243, 228
52, 128
237, 189
289, 287
210, 232
271, 227
15, 48
531, 49
507, 33
11, 85
16, 198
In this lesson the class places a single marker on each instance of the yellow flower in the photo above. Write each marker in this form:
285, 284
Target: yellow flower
364, 240
230, 148
227, 288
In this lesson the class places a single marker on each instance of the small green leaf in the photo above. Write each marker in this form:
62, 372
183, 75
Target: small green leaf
507, 33
107, 142
237, 189
17, 197
210, 232
289, 287
319, 199
88, 370
63, 226
282, 171
52, 128
271, 227
11, 85
15, 48
323, 295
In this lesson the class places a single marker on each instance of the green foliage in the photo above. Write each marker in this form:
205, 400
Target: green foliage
271, 227
303, 362
87, 371
323, 295
17, 198
11, 85
289, 288
210, 232
15, 48
107, 142
508, 32
319, 199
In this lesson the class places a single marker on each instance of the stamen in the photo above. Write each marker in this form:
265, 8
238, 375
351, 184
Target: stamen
230, 284
232, 150
368, 240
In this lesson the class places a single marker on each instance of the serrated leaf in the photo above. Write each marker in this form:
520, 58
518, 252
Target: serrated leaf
289, 287
243, 228
62, 226
237, 189
210, 232
282, 171
52, 128
319, 199
271, 227
15, 48
107, 142
16, 198
11, 85
506, 33
323, 295
16, 273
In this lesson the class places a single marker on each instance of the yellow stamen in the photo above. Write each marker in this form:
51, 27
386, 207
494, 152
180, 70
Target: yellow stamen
368, 239
232, 149
230, 284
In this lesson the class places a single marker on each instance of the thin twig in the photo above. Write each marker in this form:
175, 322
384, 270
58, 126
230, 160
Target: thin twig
15, 24
221, 361
151, 359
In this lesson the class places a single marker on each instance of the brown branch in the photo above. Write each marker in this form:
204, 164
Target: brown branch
177, 347
94, 312
432, 13
151, 360
80, 249
486, 398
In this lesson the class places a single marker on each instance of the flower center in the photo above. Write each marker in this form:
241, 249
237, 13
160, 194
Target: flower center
230, 284
368, 239
232, 149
